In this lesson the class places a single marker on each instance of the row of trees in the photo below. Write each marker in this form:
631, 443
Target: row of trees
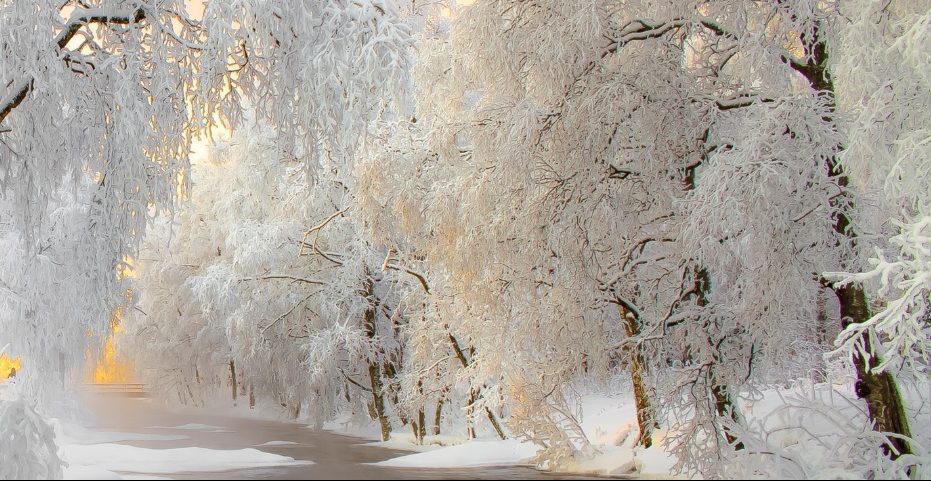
672, 188
445, 211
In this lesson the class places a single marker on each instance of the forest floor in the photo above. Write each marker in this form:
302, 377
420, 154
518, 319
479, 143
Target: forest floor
810, 425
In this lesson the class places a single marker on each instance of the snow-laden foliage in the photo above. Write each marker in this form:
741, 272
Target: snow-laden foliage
902, 326
42, 271
100, 101
652, 171
27, 443
880, 58
269, 281
883, 65
462, 211
817, 432
685, 162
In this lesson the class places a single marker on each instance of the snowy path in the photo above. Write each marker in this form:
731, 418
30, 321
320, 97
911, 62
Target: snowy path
135, 438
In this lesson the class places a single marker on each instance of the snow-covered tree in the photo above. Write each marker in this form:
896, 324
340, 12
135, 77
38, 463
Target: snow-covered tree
100, 101
259, 289
116, 90
681, 163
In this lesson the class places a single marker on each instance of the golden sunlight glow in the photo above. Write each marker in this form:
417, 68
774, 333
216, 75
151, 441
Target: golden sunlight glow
447, 12
126, 271
200, 146
7, 366
110, 368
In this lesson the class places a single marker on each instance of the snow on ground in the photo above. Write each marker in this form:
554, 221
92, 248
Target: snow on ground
471, 454
278, 443
608, 421
91, 472
119, 457
91, 454
802, 420
405, 441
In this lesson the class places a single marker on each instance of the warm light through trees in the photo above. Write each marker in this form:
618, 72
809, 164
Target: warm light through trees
466, 214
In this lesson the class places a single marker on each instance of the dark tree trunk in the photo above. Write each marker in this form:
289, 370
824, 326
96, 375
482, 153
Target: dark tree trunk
378, 397
495, 424
438, 414
470, 427
724, 404
419, 427
821, 336
879, 390
646, 418
474, 393
233, 379
726, 408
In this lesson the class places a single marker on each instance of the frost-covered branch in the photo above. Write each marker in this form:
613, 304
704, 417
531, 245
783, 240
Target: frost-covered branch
79, 19
901, 329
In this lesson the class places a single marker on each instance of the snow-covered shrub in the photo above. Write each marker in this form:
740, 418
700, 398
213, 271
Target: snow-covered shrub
27, 444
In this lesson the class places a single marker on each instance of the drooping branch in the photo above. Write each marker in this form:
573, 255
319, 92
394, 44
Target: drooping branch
85, 17
81, 18
354, 382
10, 102
420, 278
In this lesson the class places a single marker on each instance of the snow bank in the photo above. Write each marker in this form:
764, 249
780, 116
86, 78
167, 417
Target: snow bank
91, 472
279, 443
471, 454
118, 457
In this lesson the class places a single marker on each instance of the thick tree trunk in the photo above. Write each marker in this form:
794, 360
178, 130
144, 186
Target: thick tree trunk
419, 427
879, 390
378, 397
724, 404
821, 336
646, 419
251, 396
495, 424
378, 401
470, 427
725, 407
